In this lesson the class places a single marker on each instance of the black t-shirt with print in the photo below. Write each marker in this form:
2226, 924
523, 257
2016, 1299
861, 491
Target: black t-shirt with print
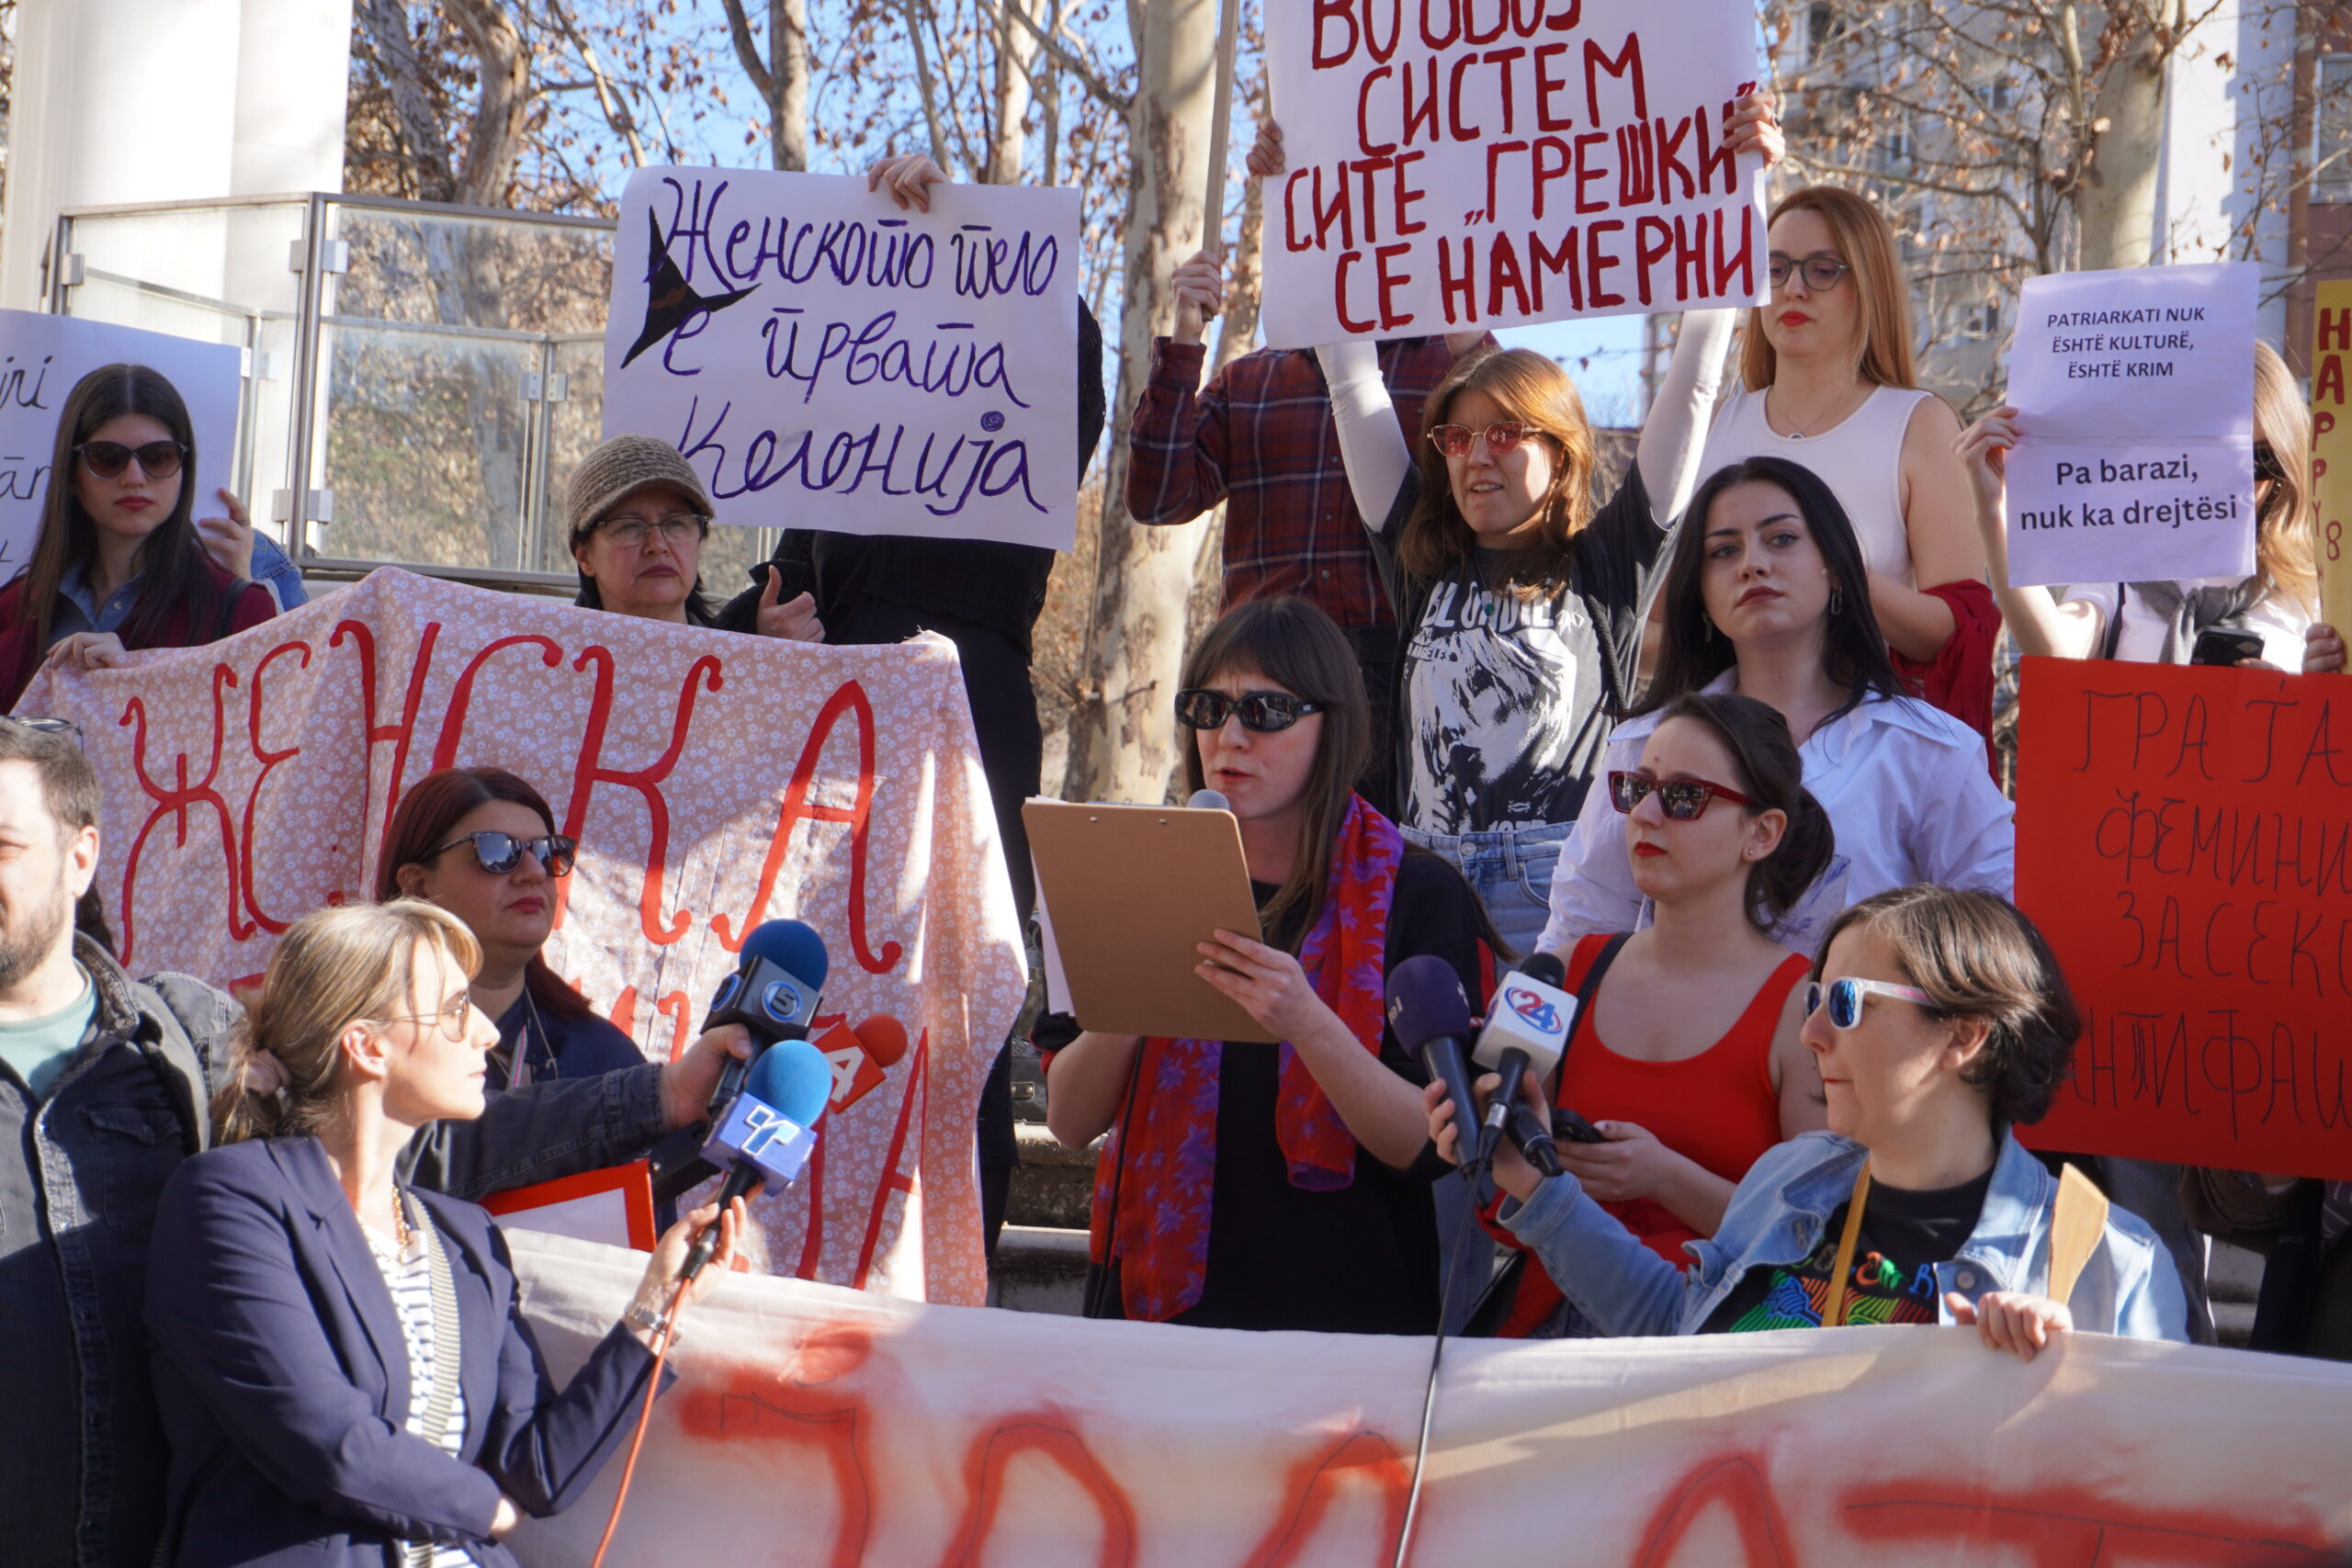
1506, 700
1905, 1234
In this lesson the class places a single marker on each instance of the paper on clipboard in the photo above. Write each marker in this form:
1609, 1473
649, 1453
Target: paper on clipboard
1056, 981
1125, 894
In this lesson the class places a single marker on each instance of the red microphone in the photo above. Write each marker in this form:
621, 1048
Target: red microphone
861, 1057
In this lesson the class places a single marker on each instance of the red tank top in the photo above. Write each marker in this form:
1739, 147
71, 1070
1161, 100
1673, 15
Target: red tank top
1717, 1108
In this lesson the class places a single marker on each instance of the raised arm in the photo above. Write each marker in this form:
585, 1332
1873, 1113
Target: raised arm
1371, 442
2038, 620
1674, 436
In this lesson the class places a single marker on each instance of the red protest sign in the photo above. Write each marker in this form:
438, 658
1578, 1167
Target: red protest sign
1455, 164
2185, 841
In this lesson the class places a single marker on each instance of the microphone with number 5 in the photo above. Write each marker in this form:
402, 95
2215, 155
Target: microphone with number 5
772, 993
766, 1135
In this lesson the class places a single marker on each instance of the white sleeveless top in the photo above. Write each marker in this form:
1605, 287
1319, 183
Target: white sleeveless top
1860, 460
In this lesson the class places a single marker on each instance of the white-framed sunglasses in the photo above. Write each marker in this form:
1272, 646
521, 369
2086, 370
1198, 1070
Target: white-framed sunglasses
1846, 997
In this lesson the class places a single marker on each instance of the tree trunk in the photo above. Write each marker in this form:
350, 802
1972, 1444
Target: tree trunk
788, 109
422, 137
494, 138
1124, 731
2116, 204
1016, 46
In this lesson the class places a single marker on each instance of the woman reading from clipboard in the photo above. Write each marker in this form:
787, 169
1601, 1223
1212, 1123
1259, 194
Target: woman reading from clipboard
1253, 1186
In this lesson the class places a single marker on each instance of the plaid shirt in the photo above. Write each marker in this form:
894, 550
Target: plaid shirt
1261, 437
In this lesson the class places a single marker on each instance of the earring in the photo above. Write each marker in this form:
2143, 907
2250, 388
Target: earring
1836, 601
1706, 628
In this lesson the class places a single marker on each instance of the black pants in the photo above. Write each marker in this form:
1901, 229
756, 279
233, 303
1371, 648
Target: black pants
1012, 754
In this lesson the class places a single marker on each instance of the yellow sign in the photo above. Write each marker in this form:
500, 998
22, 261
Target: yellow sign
2332, 451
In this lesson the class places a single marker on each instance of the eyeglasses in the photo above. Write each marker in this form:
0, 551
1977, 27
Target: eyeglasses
1846, 997
451, 1017
630, 532
499, 854
1683, 800
157, 459
1265, 712
1821, 274
1454, 440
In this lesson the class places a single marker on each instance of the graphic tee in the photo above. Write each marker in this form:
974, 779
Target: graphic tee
1904, 1235
1504, 712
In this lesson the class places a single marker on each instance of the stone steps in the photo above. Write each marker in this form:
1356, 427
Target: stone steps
1041, 1254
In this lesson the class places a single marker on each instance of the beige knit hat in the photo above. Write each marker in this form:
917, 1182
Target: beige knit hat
619, 467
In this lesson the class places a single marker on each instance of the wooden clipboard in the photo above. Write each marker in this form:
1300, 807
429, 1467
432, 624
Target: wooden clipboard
1129, 892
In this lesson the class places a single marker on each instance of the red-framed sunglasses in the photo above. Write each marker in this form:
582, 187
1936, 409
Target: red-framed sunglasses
1683, 800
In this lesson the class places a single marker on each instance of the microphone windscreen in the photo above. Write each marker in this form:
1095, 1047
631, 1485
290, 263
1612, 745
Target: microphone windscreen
1545, 967
793, 1077
792, 946
884, 1038
1208, 800
1426, 1000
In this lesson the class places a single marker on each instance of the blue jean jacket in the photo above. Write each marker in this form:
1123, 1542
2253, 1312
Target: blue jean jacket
1778, 1215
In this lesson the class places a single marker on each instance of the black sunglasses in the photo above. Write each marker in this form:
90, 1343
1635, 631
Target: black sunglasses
499, 854
157, 459
1265, 712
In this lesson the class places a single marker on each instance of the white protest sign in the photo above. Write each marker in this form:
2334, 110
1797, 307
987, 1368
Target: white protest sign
42, 357
825, 360
1459, 163
2135, 392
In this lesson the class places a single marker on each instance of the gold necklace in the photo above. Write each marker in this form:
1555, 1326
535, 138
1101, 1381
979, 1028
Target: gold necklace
1799, 433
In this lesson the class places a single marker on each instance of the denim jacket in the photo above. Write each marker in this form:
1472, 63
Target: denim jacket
1778, 1215
77, 1207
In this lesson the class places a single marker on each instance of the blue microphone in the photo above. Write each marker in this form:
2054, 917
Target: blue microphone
772, 993
767, 1133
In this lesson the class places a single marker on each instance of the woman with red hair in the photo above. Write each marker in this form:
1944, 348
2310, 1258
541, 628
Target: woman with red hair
481, 843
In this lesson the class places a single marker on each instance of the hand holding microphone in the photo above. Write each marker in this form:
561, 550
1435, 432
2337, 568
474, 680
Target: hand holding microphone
1526, 1028
766, 1135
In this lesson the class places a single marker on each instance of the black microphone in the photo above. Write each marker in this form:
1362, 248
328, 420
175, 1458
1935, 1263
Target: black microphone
772, 994
1527, 1024
1432, 1018
1532, 1138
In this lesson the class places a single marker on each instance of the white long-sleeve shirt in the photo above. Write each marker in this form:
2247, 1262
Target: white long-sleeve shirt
1907, 794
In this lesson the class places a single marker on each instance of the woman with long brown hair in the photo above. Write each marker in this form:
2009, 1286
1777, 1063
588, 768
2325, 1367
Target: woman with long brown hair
120, 563
1253, 1186
1829, 381
481, 843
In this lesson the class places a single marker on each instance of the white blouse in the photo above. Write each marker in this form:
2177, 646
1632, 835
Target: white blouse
2276, 617
1907, 792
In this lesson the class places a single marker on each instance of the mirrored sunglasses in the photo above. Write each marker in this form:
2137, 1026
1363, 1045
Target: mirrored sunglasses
157, 459
1846, 997
1683, 800
499, 854
1265, 712
1454, 440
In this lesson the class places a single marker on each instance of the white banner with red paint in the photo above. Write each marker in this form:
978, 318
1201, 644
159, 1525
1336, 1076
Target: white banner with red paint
714, 781
812, 1429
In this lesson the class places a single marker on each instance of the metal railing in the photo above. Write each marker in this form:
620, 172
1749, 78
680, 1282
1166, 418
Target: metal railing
420, 379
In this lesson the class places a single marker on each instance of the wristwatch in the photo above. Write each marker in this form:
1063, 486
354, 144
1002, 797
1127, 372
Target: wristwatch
654, 1323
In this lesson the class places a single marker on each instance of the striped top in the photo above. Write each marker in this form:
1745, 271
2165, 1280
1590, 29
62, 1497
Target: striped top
408, 1274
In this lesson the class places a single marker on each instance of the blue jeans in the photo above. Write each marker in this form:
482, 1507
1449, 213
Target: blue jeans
1510, 870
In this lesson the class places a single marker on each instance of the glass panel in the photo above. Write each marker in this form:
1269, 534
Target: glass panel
236, 253
473, 272
574, 427
426, 446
